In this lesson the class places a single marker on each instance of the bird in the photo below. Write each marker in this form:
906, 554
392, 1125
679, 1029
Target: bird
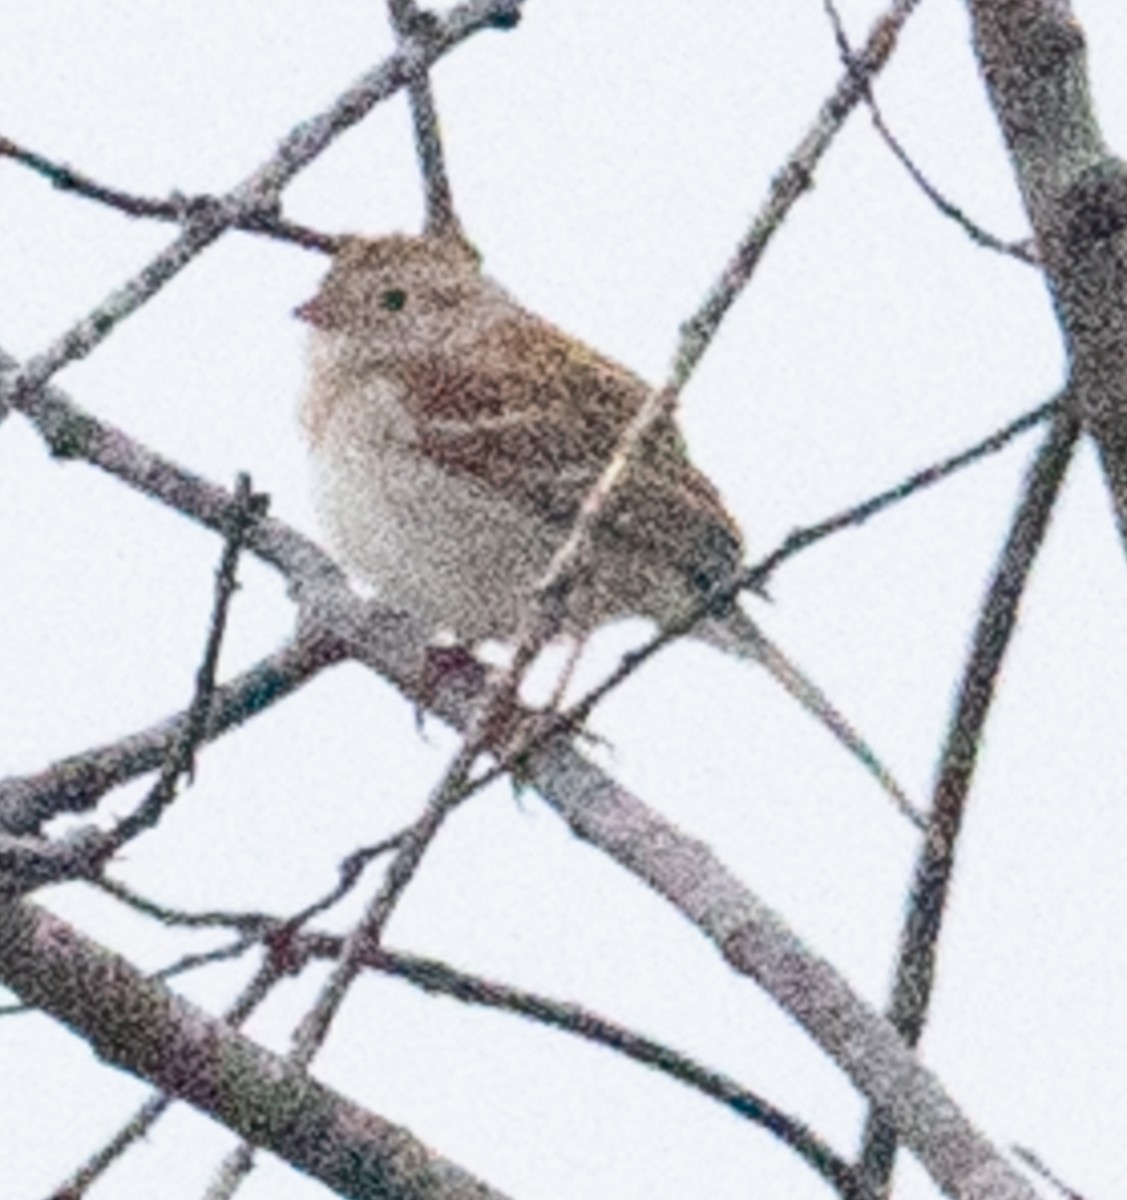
453, 436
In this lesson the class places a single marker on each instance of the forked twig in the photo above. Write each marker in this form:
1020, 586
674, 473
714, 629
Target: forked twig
31, 862
68, 179
1023, 251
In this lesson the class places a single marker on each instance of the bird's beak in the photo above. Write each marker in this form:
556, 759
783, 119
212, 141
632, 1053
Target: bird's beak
311, 311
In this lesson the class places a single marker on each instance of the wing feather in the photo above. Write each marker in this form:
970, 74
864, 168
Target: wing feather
536, 416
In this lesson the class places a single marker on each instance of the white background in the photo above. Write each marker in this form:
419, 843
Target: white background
606, 158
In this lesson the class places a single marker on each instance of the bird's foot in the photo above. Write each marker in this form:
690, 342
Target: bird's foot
446, 666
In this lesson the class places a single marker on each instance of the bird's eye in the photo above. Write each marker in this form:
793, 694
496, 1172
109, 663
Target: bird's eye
394, 299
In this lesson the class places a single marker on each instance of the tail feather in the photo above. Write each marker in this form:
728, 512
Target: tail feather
737, 634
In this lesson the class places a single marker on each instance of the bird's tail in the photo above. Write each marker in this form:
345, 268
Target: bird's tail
737, 634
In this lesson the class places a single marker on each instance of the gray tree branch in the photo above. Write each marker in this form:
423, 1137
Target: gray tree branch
140, 1026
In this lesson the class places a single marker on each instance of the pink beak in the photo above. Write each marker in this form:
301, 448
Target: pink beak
310, 311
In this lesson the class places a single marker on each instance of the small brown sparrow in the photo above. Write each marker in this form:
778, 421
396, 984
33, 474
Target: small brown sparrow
454, 436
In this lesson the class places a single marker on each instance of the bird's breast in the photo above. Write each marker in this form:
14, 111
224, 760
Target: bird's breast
430, 542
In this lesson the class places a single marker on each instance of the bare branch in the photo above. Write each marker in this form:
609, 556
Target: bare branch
1035, 1164
441, 218
757, 943
67, 179
788, 185
29, 862
748, 934
258, 193
543, 614
181, 761
1023, 251
915, 969
138, 1126
76, 784
141, 1027
437, 977
755, 577
1032, 57
365, 937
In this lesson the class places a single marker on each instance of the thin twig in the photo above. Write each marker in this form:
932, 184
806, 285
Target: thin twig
314, 1027
66, 179
1023, 251
102, 1159
244, 922
259, 193
1035, 1164
254, 924
76, 784
365, 937
788, 185
181, 761
543, 614
915, 969
573, 719
407, 20
279, 937
208, 958
437, 977
755, 577
349, 874
31, 862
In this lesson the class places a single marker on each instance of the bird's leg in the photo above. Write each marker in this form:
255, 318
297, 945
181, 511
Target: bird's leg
576, 644
442, 665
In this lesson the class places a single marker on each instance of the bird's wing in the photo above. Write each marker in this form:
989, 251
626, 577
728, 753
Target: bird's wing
536, 416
